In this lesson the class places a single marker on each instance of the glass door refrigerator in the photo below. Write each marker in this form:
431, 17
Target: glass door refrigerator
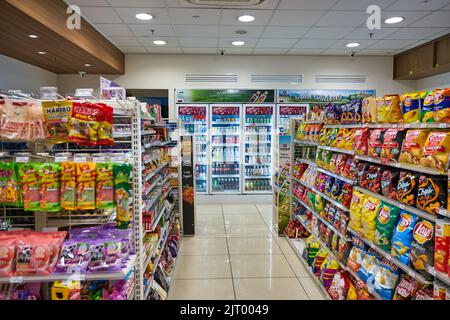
194, 122
259, 123
226, 135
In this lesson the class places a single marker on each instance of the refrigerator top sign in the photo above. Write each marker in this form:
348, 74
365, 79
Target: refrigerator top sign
292, 110
225, 96
192, 111
225, 111
264, 111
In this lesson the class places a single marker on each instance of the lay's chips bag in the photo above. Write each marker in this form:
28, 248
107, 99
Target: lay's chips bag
403, 234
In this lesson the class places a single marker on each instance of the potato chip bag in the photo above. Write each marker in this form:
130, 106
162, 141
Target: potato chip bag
86, 186
422, 246
361, 141
387, 217
369, 110
412, 149
339, 287
351, 295
68, 186
361, 175
373, 178
368, 216
319, 259
57, 115
407, 187
442, 105
333, 160
369, 266
319, 157
311, 249
340, 163
355, 259
403, 234
104, 186
389, 182
50, 187
9, 185
386, 279
392, 144
382, 111
442, 246
28, 174
376, 139
355, 210
392, 103
432, 194
329, 269
406, 288
349, 137
427, 109
436, 151
343, 250
410, 107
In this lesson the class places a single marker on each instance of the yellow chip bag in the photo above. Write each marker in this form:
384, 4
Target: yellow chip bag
412, 149
382, 111
355, 210
392, 105
369, 212
410, 107
436, 151
369, 110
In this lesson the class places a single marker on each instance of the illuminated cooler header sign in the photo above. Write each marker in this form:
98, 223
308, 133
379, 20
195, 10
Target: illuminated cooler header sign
225, 96
225, 111
259, 111
192, 111
322, 95
293, 110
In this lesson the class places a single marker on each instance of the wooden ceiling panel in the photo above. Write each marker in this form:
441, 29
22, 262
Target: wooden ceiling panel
67, 50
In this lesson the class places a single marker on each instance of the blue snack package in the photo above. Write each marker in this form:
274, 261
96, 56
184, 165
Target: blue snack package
403, 235
386, 279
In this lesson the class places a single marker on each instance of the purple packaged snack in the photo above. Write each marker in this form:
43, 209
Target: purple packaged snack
320, 182
75, 257
112, 253
97, 250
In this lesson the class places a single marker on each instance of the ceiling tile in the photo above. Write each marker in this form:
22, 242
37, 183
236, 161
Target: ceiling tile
419, 5
200, 50
125, 41
328, 32
196, 31
340, 44
440, 34
342, 19
336, 52
269, 51
410, 17
314, 44
284, 32
438, 19
306, 4
238, 51
267, 4
226, 42
128, 15
163, 50
296, 18
305, 51
99, 14
133, 49
202, 42
230, 31
89, 3
138, 3
276, 43
142, 30
392, 44
447, 8
361, 5
415, 33
364, 33
230, 17
375, 53
113, 29
148, 41
185, 16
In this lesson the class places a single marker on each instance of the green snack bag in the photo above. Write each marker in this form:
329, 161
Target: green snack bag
386, 221
9, 185
104, 187
28, 174
122, 176
319, 157
50, 187
312, 200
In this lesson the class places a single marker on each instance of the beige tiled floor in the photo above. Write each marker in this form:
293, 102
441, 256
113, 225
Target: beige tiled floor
235, 255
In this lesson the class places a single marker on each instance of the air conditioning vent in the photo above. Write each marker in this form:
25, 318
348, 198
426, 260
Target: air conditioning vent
196, 78
224, 3
271, 78
337, 78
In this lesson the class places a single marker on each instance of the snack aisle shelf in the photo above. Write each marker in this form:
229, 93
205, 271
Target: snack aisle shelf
431, 125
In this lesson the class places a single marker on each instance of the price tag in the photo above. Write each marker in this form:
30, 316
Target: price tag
80, 159
442, 125
77, 277
59, 159
402, 206
16, 280
99, 159
22, 159
423, 125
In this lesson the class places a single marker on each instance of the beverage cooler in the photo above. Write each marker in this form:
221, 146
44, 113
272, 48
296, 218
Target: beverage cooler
225, 134
194, 122
259, 123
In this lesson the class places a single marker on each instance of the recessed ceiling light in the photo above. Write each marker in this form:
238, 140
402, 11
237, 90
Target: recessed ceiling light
88, 65
144, 16
42, 52
394, 20
352, 45
33, 36
159, 42
238, 43
246, 18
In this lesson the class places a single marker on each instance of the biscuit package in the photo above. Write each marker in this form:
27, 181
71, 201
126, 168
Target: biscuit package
407, 187
422, 256
387, 217
412, 149
436, 151
57, 115
442, 105
376, 142
403, 234
410, 107
432, 194
392, 144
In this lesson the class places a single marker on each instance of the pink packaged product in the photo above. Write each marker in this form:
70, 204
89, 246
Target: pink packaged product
7, 254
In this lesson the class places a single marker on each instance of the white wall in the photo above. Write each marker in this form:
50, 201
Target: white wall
168, 72
17, 75
439, 81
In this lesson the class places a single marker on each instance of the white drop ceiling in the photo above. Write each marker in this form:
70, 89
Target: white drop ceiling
282, 27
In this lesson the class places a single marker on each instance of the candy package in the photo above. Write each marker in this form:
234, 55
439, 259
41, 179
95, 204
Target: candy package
427, 113
376, 142
369, 212
389, 182
68, 185
50, 187
57, 115
442, 105
410, 107
104, 186
422, 246
386, 279
86, 186
9, 185
105, 129
7, 255
392, 144
412, 149
122, 194
28, 175
406, 288
402, 238
361, 141
387, 218
84, 123
436, 151
432, 194
407, 187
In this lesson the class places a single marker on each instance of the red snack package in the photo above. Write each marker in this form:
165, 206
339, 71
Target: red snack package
361, 142
105, 130
389, 181
84, 124
392, 144
376, 142
442, 246
345, 198
406, 289
340, 163
373, 178
7, 254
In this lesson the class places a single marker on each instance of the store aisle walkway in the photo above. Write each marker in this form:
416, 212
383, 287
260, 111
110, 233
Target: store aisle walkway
235, 255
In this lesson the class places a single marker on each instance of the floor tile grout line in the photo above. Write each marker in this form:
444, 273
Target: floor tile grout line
229, 256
